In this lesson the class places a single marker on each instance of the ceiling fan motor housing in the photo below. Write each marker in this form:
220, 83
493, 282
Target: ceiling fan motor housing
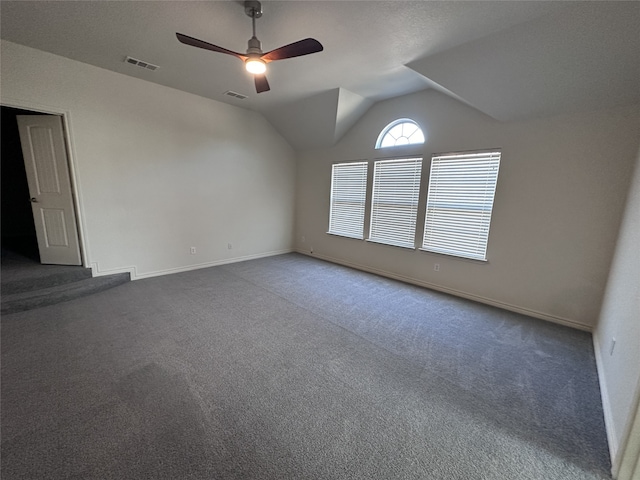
255, 47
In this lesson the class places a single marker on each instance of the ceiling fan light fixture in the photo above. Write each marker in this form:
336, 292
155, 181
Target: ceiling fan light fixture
255, 66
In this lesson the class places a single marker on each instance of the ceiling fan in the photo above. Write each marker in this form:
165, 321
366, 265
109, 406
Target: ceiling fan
255, 60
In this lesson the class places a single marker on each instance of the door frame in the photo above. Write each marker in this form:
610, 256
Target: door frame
65, 115
626, 465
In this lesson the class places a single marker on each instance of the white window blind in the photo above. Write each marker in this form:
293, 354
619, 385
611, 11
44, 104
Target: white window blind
348, 196
459, 203
394, 206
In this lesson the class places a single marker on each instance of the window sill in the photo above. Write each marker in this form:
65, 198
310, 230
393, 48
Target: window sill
344, 236
461, 257
390, 244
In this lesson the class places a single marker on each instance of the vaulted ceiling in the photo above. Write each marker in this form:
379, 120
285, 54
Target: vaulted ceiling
510, 60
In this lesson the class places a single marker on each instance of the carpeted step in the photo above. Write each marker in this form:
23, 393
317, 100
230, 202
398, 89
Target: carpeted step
43, 276
27, 300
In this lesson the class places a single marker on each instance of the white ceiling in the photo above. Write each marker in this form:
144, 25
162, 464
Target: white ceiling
511, 60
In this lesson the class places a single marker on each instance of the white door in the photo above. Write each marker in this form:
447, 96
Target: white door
45, 160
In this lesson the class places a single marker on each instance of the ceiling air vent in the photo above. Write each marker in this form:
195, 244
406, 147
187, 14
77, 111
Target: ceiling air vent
229, 93
140, 63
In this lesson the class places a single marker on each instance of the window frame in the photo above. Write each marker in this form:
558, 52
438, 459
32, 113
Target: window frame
386, 131
448, 182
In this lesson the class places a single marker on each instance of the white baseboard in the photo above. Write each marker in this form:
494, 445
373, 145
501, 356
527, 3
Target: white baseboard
96, 271
133, 271
458, 293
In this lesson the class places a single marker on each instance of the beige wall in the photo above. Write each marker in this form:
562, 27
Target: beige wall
620, 319
559, 201
159, 170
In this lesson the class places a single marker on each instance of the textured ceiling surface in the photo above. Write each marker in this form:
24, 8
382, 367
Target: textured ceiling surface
508, 59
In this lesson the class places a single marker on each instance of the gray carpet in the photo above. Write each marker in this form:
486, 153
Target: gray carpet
293, 368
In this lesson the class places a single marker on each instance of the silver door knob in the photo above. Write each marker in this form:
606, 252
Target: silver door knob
34, 200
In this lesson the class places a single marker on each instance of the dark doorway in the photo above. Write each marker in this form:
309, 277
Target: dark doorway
17, 226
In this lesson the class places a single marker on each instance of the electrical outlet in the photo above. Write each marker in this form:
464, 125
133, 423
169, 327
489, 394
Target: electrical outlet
192, 251
613, 345
229, 246
303, 239
436, 267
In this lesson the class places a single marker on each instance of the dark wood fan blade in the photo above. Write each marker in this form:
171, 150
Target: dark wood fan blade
261, 83
194, 42
297, 49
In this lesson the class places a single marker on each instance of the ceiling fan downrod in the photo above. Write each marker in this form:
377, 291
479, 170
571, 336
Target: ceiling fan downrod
253, 9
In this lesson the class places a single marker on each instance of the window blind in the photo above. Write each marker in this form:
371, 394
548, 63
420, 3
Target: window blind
348, 196
459, 203
394, 206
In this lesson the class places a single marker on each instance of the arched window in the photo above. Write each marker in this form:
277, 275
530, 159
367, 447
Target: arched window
403, 131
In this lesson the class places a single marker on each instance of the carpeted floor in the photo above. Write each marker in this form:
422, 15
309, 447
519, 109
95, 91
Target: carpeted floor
292, 368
